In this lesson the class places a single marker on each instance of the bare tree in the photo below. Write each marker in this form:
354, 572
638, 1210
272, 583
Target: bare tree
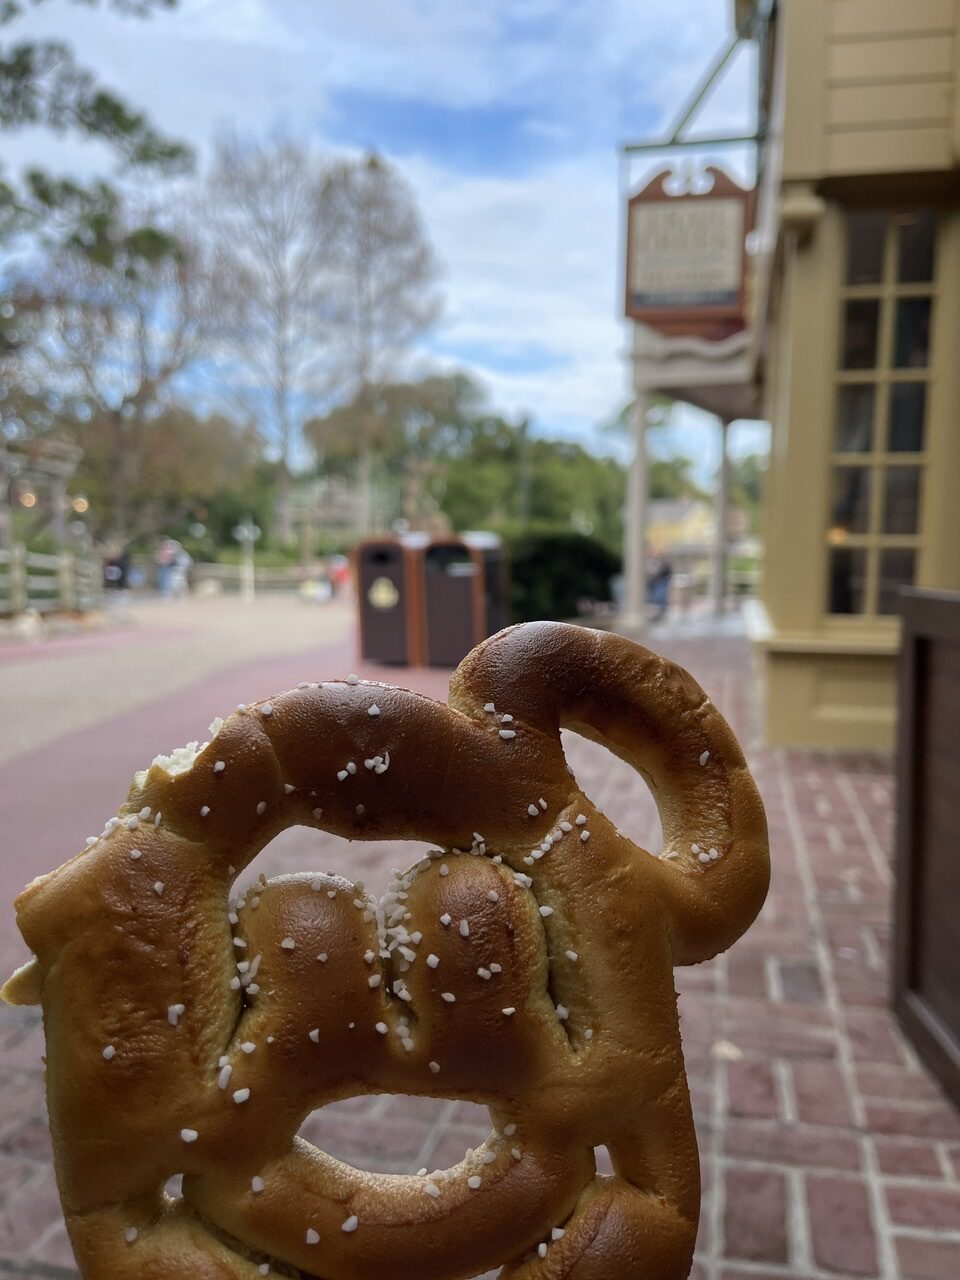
119, 320
384, 289
263, 204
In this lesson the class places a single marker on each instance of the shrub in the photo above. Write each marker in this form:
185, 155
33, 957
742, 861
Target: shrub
559, 574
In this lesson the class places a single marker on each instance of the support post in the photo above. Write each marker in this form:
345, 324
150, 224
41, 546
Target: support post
721, 509
246, 533
58, 509
66, 582
634, 606
248, 591
19, 589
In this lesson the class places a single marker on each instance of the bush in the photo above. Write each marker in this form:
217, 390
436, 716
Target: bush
558, 574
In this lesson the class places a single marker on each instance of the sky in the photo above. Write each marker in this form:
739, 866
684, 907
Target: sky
505, 115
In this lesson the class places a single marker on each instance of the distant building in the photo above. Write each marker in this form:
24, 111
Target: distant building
681, 522
684, 530
332, 509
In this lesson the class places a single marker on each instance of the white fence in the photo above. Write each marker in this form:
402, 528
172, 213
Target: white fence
47, 583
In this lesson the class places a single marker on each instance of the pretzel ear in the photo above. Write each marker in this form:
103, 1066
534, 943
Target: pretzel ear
714, 871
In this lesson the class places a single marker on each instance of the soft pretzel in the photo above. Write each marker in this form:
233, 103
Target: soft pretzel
526, 965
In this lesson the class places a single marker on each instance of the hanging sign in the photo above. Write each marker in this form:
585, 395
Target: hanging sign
686, 257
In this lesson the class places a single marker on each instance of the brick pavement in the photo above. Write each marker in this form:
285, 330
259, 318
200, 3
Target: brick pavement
828, 1154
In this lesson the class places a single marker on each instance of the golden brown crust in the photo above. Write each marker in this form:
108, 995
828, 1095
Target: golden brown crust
553, 934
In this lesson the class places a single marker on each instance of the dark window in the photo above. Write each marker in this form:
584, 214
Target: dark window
897, 568
911, 349
901, 499
855, 418
865, 237
907, 406
848, 579
850, 509
861, 322
916, 234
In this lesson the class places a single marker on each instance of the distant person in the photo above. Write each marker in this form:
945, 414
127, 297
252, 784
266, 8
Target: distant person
116, 571
658, 586
338, 569
164, 561
180, 575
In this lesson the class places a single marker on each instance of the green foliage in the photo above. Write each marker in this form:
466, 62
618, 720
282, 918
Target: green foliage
558, 574
672, 478
184, 471
41, 85
253, 496
401, 420
620, 425
478, 468
746, 487
277, 557
274, 555
503, 477
27, 530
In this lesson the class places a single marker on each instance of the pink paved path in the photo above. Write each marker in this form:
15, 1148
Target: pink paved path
53, 797
827, 1153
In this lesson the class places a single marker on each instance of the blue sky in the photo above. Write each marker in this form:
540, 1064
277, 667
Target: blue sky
506, 115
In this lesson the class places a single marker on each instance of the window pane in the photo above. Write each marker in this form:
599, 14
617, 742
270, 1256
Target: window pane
865, 233
901, 499
850, 510
847, 588
861, 319
855, 419
897, 567
907, 406
912, 337
916, 233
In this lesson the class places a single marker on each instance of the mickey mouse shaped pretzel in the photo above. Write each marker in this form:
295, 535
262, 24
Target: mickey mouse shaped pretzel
527, 965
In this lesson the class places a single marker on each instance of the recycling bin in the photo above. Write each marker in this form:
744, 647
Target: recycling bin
465, 595
496, 579
389, 578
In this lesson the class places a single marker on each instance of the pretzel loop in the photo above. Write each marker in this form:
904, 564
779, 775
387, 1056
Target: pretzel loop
526, 966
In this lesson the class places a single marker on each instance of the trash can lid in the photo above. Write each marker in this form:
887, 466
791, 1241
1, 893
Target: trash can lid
482, 539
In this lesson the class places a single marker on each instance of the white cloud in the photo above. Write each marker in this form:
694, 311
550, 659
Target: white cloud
532, 259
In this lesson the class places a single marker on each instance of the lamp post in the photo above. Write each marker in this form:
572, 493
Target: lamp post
246, 533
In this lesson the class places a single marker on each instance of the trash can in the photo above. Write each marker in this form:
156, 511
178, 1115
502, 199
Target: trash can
465, 596
496, 579
389, 600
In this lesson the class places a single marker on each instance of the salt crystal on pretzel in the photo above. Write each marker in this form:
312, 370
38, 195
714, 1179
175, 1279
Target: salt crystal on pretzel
556, 1005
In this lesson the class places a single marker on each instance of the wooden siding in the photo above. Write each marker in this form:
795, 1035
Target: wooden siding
890, 86
889, 151
854, 18
917, 57
891, 105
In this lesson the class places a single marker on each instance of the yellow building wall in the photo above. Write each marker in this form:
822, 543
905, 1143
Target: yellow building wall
870, 93
697, 527
873, 86
831, 681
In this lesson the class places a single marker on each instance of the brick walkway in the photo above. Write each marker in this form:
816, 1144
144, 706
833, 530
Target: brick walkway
827, 1152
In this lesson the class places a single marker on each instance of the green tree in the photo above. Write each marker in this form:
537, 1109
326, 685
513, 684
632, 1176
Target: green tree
41, 84
120, 320
411, 428
673, 478
182, 470
747, 475
384, 292
263, 204
439, 440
